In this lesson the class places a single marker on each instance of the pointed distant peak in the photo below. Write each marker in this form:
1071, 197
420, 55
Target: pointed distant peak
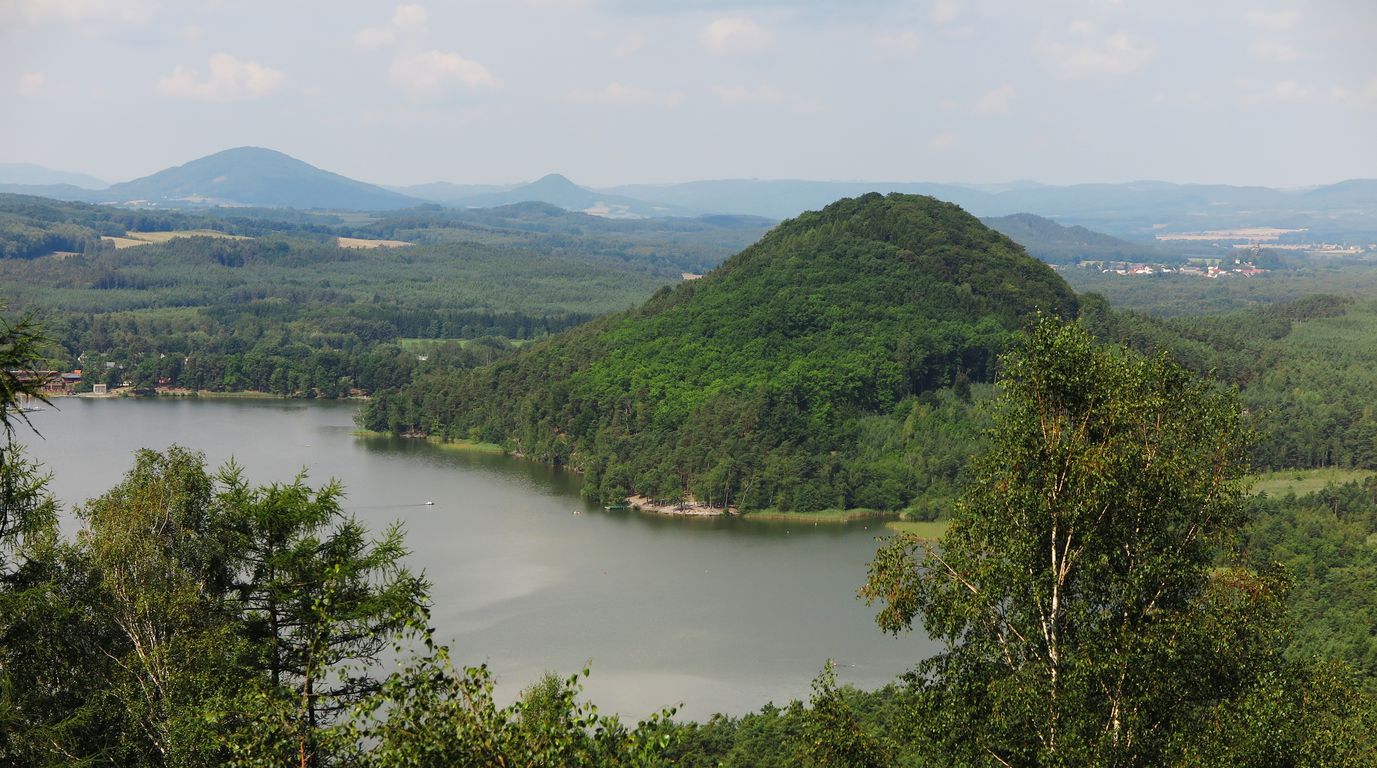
246, 158
249, 148
257, 176
554, 181
248, 152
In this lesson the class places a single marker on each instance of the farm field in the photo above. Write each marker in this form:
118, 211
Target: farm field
134, 239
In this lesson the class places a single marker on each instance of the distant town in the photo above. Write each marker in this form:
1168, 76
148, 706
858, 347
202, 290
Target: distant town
1237, 269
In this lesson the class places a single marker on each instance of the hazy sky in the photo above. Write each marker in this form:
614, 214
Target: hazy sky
612, 91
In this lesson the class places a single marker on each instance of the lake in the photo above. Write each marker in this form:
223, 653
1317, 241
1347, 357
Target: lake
720, 615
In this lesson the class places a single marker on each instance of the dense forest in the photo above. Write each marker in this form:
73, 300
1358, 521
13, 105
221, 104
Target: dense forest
772, 367
856, 357
1058, 244
280, 307
199, 619
802, 374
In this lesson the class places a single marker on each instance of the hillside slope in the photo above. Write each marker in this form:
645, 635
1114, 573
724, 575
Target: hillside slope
37, 175
787, 378
256, 177
558, 190
1058, 244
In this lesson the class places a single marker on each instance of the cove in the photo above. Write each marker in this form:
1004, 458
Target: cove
718, 614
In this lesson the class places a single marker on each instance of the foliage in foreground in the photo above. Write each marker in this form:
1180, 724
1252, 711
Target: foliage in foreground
198, 620
1090, 613
1094, 609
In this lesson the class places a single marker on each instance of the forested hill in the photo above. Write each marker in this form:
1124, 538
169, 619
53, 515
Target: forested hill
796, 376
1058, 244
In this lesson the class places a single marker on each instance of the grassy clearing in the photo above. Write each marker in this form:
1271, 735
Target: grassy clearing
239, 395
356, 218
820, 516
1303, 481
928, 530
420, 346
466, 446
462, 446
359, 242
133, 239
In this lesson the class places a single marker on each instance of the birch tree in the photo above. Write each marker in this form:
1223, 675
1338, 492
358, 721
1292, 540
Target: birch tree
1079, 589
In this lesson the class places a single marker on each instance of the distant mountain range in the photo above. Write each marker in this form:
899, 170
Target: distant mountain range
246, 176
251, 176
30, 174
259, 177
1134, 209
553, 189
1057, 244
448, 193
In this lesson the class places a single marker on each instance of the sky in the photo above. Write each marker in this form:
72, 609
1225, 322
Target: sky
1277, 93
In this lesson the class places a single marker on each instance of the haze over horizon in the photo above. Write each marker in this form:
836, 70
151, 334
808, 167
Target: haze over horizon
607, 92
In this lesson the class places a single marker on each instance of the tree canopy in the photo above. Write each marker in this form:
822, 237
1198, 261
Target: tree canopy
1090, 613
753, 385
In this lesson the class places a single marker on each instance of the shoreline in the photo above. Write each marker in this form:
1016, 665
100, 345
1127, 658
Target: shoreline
689, 508
830, 516
210, 394
466, 446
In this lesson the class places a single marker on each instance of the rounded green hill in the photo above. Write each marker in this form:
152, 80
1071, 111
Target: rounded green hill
788, 378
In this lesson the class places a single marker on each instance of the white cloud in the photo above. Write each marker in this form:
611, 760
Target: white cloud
75, 11
616, 93
559, 5
905, 41
1089, 55
1289, 90
1272, 50
764, 94
426, 73
1273, 20
995, 102
946, 11
375, 37
944, 140
228, 79
1367, 94
1081, 27
32, 83
406, 16
739, 94
735, 35
410, 15
629, 45
1364, 95
1280, 91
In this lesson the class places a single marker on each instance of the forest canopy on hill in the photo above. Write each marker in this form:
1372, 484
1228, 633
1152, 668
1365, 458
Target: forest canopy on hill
849, 348
800, 375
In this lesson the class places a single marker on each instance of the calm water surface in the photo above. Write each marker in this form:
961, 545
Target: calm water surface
717, 614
